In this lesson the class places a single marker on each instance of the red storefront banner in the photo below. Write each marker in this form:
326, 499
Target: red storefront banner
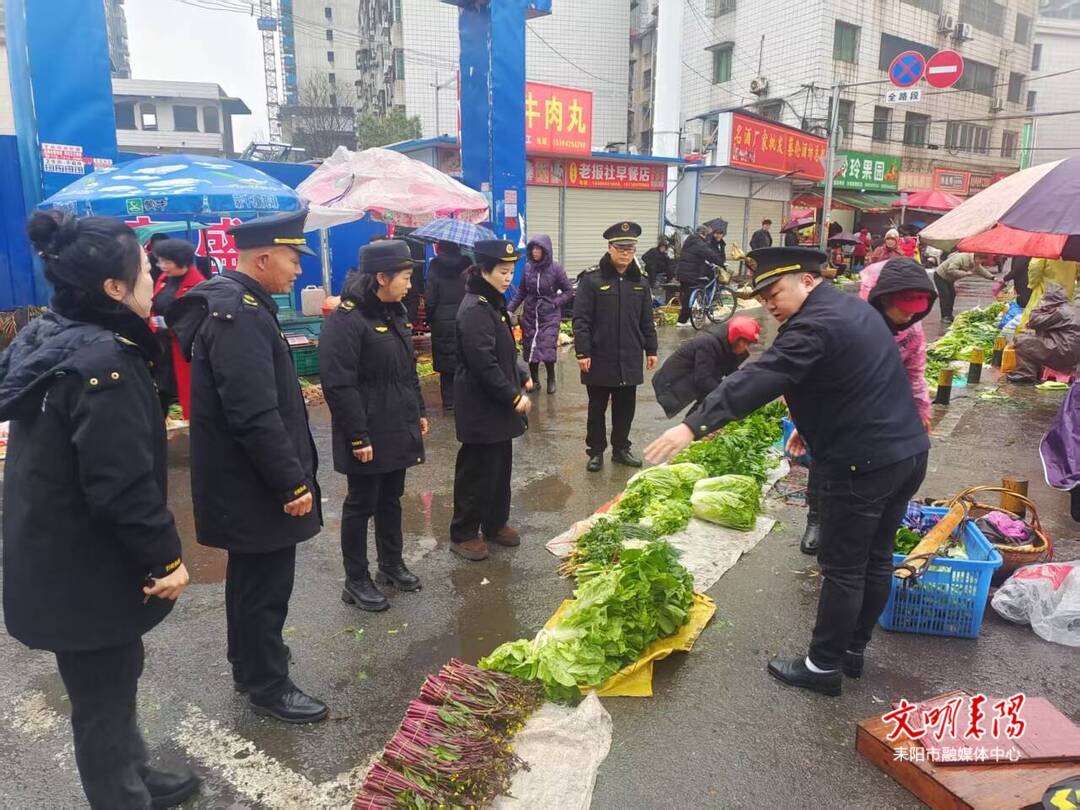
773, 148
603, 174
558, 120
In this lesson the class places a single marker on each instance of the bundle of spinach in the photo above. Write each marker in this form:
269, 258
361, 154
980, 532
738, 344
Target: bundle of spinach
616, 613
602, 543
742, 447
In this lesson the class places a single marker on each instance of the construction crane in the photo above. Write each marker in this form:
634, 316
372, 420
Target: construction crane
268, 25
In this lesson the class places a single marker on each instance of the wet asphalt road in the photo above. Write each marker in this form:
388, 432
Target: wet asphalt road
717, 733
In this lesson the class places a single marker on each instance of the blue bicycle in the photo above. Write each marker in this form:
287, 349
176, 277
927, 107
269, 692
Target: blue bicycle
713, 301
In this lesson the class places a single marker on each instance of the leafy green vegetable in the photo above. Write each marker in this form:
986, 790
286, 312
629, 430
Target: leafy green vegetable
728, 500
972, 329
616, 613
906, 540
668, 517
635, 499
741, 448
670, 480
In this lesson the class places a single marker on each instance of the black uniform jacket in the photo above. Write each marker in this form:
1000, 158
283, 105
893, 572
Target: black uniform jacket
490, 373
85, 518
836, 363
368, 371
613, 324
694, 370
251, 448
442, 296
694, 255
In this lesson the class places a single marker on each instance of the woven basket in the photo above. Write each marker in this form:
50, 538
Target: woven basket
1040, 550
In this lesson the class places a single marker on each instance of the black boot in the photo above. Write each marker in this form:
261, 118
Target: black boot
626, 458
534, 372
293, 706
170, 788
595, 463
363, 593
551, 378
398, 575
811, 538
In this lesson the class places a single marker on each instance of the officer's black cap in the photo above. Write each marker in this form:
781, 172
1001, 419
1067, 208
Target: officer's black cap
769, 263
623, 234
495, 250
279, 230
385, 256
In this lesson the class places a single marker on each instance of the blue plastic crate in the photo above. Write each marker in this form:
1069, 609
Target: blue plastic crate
949, 599
308, 326
284, 302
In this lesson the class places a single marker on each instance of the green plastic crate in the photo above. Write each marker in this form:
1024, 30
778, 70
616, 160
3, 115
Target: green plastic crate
306, 360
308, 326
284, 302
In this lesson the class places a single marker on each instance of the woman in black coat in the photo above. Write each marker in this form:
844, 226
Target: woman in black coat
443, 293
368, 371
91, 552
491, 405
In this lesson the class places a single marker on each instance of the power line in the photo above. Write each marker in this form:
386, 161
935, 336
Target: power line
570, 61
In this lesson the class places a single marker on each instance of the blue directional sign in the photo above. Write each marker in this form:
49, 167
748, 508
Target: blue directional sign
907, 68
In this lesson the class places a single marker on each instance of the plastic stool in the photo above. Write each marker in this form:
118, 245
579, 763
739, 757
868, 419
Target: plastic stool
1055, 375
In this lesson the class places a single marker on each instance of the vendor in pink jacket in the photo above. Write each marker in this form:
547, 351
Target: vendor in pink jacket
900, 289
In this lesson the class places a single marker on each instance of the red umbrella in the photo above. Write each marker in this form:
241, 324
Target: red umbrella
929, 201
1006, 241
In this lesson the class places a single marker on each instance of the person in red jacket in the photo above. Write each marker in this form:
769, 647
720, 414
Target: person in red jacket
176, 258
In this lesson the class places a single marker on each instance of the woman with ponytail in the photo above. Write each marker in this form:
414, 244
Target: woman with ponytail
91, 552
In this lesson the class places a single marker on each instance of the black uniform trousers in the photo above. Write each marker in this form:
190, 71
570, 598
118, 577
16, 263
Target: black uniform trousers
685, 290
946, 295
859, 518
623, 404
481, 490
377, 496
109, 750
257, 591
446, 388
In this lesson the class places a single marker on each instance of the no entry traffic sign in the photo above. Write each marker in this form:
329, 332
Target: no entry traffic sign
907, 68
944, 69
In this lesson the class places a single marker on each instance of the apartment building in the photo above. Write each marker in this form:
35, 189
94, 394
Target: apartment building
1056, 87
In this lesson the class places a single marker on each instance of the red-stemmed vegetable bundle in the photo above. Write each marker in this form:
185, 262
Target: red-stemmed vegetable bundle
452, 749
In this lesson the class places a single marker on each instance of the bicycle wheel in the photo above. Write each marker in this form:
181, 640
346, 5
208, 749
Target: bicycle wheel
723, 304
698, 310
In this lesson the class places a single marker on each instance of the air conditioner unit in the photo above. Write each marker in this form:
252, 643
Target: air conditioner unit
759, 86
963, 32
998, 104
946, 23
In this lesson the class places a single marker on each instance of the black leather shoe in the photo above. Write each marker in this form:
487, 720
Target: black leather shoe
626, 458
595, 463
852, 664
364, 594
811, 539
398, 575
551, 384
293, 707
170, 788
793, 671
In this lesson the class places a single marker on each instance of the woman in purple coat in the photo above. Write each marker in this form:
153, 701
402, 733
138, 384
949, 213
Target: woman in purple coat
544, 291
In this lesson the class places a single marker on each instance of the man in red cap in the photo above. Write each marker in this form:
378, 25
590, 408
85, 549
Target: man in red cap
699, 364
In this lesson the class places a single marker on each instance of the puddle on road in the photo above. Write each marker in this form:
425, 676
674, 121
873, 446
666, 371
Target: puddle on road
548, 493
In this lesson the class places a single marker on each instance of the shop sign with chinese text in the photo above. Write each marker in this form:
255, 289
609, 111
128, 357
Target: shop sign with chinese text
867, 172
952, 181
558, 120
600, 174
773, 148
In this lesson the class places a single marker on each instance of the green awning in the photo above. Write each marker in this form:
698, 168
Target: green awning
865, 201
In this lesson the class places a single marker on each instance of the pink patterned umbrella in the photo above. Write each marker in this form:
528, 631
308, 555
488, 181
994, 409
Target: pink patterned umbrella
393, 188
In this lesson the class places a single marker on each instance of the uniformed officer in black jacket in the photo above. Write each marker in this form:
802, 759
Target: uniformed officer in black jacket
91, 553
696, 258
253, 461
698, 365
835, 361
613, 331
368, 371
490, 405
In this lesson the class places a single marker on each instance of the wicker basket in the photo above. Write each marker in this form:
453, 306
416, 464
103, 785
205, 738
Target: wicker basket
1040, 550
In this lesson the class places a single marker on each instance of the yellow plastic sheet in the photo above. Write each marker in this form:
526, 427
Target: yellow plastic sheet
635, 680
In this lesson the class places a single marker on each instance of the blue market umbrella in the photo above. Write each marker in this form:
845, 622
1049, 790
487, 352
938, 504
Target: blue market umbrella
452, 230
168, 185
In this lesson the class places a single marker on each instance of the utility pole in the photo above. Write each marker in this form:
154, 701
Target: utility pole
438, 87
830, 160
